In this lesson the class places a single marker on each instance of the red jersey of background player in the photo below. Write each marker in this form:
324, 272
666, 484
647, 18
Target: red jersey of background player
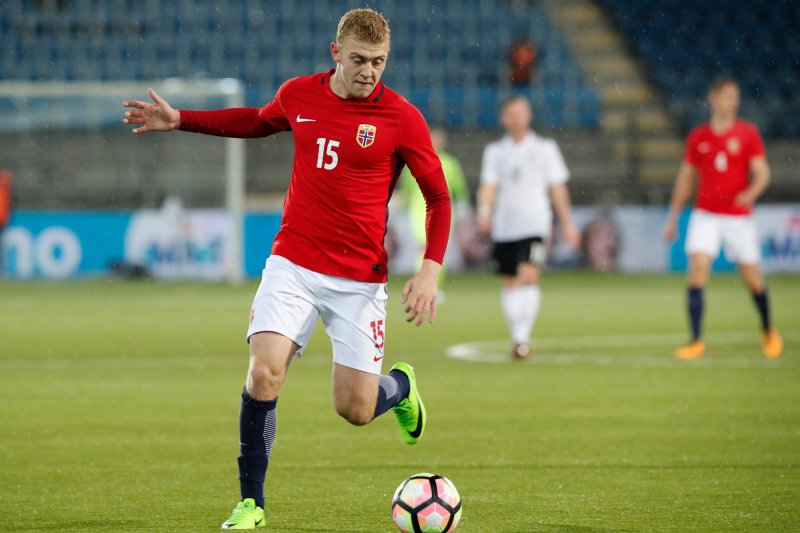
722, 161
5, 197
348, 156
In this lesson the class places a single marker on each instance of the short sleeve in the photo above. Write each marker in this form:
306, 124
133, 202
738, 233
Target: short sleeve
274, 112
690, 151
414, 144
490, 174
557, 171
755, 146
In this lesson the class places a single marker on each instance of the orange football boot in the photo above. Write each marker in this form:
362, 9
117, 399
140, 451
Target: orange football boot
772, 344
695, 350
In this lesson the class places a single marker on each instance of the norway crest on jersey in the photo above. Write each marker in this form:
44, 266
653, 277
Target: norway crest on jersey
366, 135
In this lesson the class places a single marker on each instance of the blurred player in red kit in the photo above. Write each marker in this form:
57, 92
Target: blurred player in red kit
5, 210
727, 160
352, 136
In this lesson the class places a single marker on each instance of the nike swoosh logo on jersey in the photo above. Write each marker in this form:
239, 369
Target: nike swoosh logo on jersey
376, 358
301, 119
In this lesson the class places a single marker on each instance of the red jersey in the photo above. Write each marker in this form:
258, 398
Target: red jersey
722, 161
5, 197
348, 156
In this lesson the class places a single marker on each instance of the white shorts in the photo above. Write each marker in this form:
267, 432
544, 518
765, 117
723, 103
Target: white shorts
737, 233
291, 298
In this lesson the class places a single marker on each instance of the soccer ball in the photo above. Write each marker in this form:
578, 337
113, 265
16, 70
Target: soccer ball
426, 503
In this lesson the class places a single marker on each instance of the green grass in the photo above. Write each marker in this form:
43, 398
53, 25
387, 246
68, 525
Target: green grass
118, 412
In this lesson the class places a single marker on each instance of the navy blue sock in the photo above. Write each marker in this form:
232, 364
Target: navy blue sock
258, 422
762, 304
392, 389
696, 311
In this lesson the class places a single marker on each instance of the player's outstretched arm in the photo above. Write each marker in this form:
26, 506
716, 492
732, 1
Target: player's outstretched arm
156, 116
419, 293
684, 185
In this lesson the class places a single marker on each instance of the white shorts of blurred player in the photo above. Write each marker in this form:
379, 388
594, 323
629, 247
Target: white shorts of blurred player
291, 298
737, 233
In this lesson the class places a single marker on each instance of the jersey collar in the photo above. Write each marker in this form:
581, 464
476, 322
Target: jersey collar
530, 136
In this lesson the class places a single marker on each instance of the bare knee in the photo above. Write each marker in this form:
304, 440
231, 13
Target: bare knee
263, 383
356, 414
752, 277
699, 269
270, 354
528, 274
530, 277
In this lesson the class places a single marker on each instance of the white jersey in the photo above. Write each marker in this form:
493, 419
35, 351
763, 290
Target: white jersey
523, 173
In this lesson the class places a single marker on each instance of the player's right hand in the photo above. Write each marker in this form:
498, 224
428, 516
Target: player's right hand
158, 116
485, 224
572, 235
670, 230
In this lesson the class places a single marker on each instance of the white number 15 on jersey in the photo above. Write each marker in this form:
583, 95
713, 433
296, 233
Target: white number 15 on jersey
326, 150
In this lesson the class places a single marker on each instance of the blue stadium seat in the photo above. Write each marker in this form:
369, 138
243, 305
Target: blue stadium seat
685, 43
449, 56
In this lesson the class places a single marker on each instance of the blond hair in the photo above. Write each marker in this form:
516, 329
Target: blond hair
721, 81
363, 25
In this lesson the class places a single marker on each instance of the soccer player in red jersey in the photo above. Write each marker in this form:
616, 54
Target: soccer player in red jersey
353, 136
726, 158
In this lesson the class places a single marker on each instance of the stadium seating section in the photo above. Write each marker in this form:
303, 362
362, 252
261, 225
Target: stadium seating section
448, 57
684, 43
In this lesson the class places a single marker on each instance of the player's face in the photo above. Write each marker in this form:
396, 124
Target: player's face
516, 117
359, 65
725, 100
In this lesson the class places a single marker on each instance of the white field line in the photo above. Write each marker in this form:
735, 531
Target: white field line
594, 351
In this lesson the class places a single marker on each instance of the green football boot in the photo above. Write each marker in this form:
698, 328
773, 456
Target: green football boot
246, 516
410, 412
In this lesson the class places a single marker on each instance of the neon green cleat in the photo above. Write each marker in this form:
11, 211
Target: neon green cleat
246, 516
410, 412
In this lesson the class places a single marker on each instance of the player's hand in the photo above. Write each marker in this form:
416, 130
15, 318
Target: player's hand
158, 116
485, 224
419, 293
571, 235
670, 230
745, 198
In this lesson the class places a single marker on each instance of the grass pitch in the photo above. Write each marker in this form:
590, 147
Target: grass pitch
118, 412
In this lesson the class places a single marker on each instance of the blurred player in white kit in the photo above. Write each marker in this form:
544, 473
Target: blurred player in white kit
522, 175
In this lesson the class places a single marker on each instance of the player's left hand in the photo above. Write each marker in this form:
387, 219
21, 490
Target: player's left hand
745, 198
419, 293
572, 235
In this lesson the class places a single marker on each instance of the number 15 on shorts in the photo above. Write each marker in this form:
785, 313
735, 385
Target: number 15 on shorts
377, 333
